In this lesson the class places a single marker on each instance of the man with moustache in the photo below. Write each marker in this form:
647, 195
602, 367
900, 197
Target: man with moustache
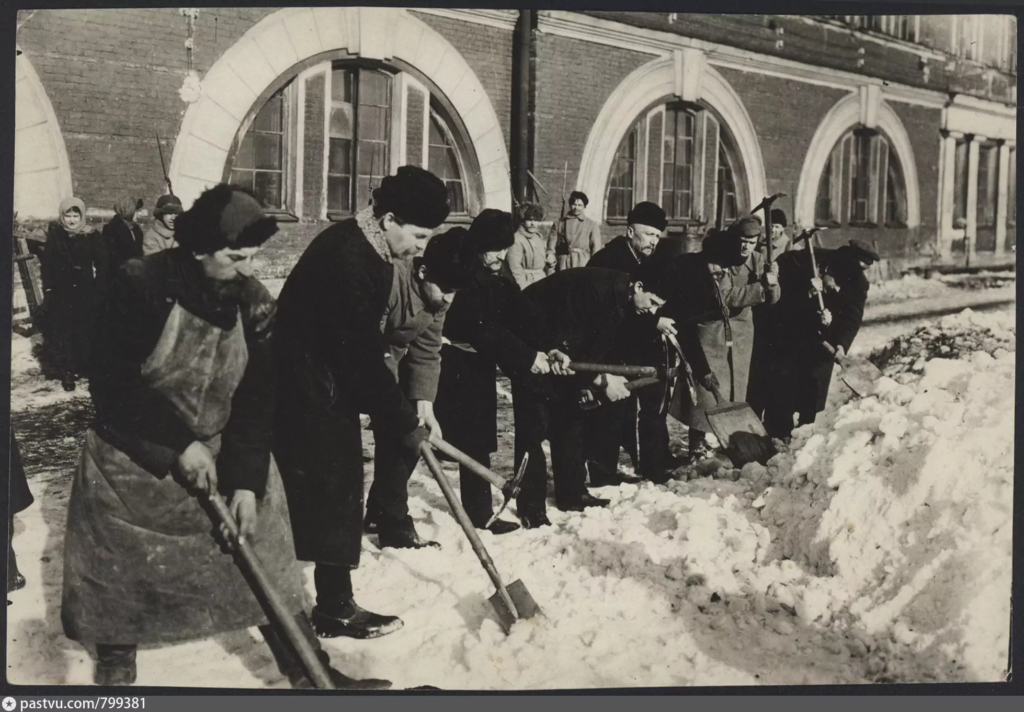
330, 363
421, 293
615, 424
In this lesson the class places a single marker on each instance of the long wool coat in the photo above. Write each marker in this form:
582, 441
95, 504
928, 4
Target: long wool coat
329, 351
526, 258
74, 271
123, 240
573, 241
180, 364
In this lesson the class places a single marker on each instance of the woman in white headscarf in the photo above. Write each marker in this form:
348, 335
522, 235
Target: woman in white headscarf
74, 270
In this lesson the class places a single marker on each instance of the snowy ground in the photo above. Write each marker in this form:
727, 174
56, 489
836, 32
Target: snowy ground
876, 547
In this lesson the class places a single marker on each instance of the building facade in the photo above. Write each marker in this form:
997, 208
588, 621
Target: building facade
900, 130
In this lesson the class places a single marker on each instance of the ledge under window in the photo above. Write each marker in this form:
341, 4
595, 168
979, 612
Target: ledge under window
865, 224
827, 223
282, 216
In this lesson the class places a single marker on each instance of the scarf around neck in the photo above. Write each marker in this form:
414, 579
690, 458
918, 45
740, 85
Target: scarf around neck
370, 227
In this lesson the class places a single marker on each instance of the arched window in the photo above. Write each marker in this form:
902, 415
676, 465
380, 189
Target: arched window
682, 157
322, 143
862, 184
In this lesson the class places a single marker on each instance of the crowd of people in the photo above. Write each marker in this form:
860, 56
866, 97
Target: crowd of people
203, 383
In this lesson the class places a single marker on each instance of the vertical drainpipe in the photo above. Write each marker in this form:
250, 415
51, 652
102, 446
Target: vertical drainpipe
522, 126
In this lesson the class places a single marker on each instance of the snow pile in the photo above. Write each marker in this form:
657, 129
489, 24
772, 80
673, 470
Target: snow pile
910, 286
29, 389
905, 499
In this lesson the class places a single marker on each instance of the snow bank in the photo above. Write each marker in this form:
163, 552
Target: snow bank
904, 500
910, 286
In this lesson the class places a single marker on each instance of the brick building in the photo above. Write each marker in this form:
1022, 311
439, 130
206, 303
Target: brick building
898, 129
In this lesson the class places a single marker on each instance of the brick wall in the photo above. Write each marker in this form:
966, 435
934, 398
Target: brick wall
574, 79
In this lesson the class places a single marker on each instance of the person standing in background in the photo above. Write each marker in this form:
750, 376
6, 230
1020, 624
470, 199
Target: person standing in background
575, 238
161, 235
122, 234
527, 256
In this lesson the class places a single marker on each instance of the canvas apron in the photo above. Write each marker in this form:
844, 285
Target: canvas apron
141, 564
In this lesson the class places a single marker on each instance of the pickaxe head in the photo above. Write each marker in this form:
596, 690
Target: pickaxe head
808, 233
767, 202
511, 489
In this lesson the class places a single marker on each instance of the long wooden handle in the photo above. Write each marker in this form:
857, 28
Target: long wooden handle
469, 463
467, 526
616, 369
282, 618
814, 266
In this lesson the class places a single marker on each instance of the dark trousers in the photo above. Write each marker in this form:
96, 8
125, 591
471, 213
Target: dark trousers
609, 428
476, 492
333, 587
388, 499
652, 432
559, 418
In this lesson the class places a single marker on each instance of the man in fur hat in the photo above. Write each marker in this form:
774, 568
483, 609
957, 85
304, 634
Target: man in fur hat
708, 295
331, 367
184, 398
615, 424
422, 291
808, 341
490, 324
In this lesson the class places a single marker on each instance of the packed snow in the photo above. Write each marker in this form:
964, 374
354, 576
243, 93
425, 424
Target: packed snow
875, 547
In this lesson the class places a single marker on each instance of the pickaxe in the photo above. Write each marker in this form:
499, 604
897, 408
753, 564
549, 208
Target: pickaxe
766, 205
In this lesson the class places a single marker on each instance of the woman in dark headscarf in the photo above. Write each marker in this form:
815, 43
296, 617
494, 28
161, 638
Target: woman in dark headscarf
122, 234
74, 270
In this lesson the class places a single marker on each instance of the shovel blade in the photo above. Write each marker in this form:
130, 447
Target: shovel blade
741, 433
859, 374
524, 603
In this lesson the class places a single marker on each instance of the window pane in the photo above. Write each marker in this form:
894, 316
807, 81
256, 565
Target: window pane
244, 157
436, 158
269, 117
437, 137
373, 123
341, 121
860, 178
373, 156
456, 200
960, 182
363, 191
339, 158
268, 189
339, 194
267, 151
243, 179
988, 174
823, 202
342, 85
374, 88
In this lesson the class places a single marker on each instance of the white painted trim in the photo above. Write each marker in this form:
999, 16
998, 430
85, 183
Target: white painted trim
1002, 199
59, 151
501, 19
325, 158
230, 74
972, 194
947, 187
647, 84
842, 117
655, 42
300, 142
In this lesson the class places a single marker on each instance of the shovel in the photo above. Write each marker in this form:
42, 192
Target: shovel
740, 431
509, 488
858, 374
511, 603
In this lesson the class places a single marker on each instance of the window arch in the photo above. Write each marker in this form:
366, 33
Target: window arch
318, 146
862, 184
682, 157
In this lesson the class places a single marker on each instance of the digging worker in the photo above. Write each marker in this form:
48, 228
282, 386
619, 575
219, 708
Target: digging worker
588, 311
574, 238
613, 424
758, 383
421, 293
330, 359
807, 340
184, 400
714, 290
490, 325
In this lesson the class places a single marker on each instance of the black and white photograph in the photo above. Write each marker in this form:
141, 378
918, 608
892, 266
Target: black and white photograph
424, 348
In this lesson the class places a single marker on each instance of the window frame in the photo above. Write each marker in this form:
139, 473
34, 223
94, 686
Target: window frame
857, 174
433, 113
634, 133
991, 189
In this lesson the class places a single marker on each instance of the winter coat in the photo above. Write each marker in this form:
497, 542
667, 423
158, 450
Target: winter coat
329, 350
75, 275
123, 240
526, 258
158, 238
489, 325
412, 332
572, 241
618, 255
182, 363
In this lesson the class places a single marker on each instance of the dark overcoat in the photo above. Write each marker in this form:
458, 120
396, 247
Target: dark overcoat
123, 240
329, 349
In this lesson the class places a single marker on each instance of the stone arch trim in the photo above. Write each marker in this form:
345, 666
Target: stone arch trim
42, 171
640, 89
845, 115
286, 38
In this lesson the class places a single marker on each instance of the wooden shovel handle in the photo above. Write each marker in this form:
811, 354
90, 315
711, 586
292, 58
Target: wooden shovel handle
282, 618
469, 463
467, 526
616, 369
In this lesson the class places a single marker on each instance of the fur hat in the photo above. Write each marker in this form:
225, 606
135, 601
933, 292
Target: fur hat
223, 216
448, 263
166, 205
779, 217
415, 196
579, 195
491, 231
649, 214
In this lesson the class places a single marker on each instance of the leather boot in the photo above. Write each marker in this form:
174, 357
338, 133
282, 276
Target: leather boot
115, 665
290, 665
351, 621
401, 535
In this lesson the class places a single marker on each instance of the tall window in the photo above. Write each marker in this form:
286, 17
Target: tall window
443, 161
623, 179
677, 187
988, 177
960, 165
967, 36
259, 160
902, 27
726, 178
862, 184
359, 137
